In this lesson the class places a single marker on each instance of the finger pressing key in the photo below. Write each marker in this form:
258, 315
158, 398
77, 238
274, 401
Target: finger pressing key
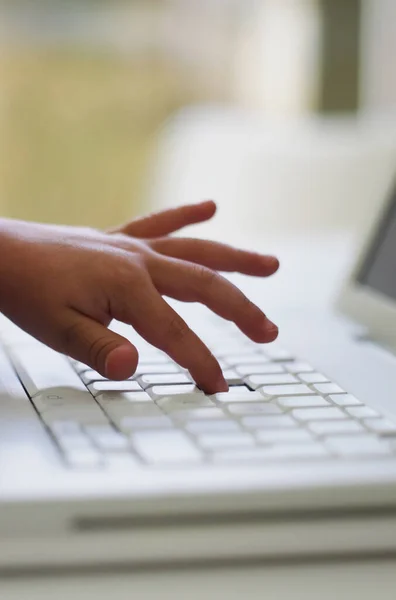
160, 325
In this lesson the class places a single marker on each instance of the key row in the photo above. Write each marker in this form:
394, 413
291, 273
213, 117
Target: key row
174, 447
139, 403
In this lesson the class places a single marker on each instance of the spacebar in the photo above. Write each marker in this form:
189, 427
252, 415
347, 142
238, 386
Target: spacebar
40, 368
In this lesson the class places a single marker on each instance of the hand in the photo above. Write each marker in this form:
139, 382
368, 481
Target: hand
64, 285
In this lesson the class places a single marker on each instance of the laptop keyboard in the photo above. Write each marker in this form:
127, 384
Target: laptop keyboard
278, 408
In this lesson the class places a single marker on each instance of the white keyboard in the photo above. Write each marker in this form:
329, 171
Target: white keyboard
278, 409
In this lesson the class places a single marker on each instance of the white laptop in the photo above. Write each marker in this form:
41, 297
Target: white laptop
298, 459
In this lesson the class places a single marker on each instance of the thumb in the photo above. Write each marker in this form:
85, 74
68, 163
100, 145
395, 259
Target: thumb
92, 343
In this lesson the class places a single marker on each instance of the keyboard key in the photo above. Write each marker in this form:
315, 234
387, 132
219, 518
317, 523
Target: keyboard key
212, 441
230, 348
209, 426
318, 414
207, 413
286, 452
313, 378
79, 366
361, 412
344, 400
235, 390
134, 411
169, 379
328, 388
358, 445
62, 398
302, 401
181, 402
232, 377
336, 427
90, 376
43, 370
128, 424
92, 415
161, 391
107, 439
165, 447
84, 458
279, 436
223, 364
71, 443
260, 369
297, 366
254, 408
269, 422
238, 395
244, 359
98, 430
65, 428
256, 381
276, 353
98, 387
116, 411
286, 390
381, 426
114, 442
122, 399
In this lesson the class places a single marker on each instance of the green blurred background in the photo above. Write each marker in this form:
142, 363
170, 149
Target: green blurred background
79, 130
87, 86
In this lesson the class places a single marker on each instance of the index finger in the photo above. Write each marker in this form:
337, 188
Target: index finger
161, 326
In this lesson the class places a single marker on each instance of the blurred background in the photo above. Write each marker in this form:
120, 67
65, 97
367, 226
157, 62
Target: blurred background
284, 111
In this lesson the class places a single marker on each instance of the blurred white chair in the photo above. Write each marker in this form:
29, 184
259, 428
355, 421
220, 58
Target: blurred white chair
291, 175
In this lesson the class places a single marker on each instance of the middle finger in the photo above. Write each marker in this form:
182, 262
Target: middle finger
215, 255
193, 283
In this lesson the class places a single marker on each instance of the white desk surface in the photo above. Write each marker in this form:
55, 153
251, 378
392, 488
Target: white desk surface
311, 272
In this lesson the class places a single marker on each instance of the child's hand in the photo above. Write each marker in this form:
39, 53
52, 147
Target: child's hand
64, 285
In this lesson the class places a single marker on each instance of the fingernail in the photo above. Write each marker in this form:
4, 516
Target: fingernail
274, 262
270, 327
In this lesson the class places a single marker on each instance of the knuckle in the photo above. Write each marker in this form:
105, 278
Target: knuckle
92, 351
89, 232
177, 331
209, 364
135, 248
246, 304
206, 277
250, 309
128, 269
98, 349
